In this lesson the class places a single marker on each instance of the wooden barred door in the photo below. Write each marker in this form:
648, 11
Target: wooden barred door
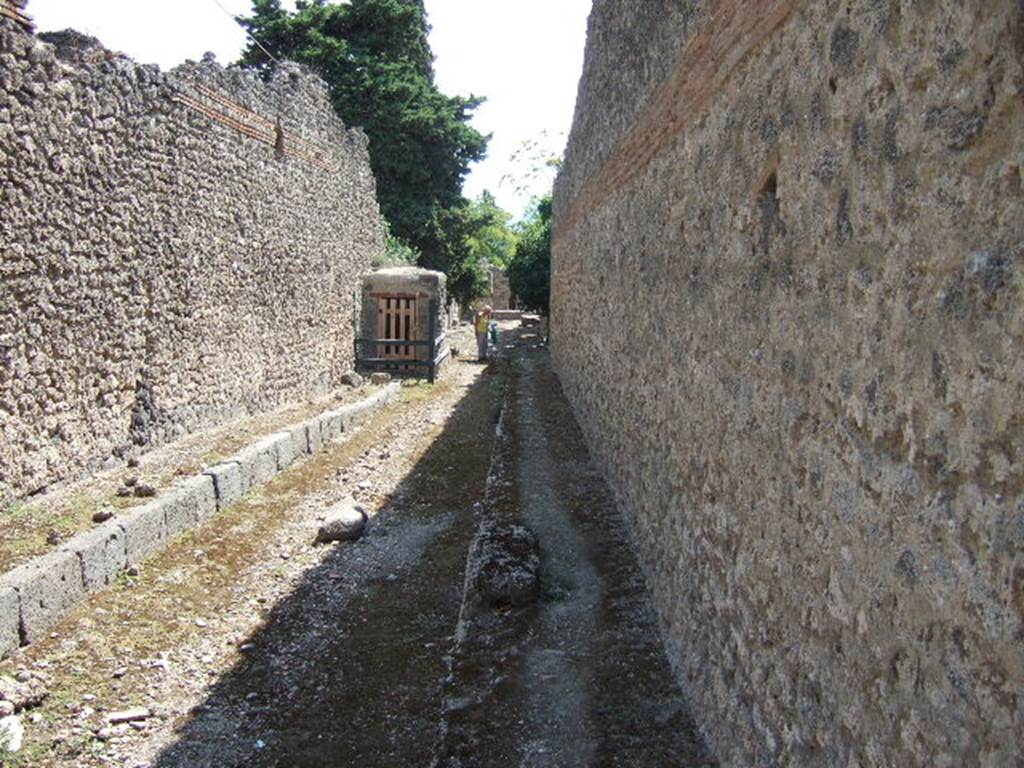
396, 319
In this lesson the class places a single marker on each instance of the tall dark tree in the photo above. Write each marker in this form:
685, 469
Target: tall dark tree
375, 57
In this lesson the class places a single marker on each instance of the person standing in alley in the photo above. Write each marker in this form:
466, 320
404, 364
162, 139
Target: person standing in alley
481, 323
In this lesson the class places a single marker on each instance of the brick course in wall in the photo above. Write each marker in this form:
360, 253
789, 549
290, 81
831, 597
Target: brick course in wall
177, 249
787, 272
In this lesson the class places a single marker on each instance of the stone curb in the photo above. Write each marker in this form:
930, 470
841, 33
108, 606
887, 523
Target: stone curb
36, 595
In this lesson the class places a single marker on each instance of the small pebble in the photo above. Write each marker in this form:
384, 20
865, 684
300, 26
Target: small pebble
129, 715
13, 733
103, 515
6, 709
144, 491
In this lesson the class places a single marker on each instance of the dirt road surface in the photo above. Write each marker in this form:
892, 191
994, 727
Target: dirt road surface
244, 644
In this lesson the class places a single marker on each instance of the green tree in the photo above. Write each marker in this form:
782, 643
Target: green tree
529, 272
494, 240
376, 59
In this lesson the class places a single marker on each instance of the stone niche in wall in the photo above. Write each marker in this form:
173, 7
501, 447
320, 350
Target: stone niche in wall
178, 248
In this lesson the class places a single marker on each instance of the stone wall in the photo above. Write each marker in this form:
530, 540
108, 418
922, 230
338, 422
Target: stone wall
786, 304
500, 295
177, 248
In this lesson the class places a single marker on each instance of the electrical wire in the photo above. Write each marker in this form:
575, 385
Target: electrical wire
247, 32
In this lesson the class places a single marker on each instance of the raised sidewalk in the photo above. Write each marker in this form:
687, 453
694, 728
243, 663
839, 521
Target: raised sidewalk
36, 595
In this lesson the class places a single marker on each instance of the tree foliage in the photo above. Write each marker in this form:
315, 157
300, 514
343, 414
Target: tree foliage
375, 57
493, 239
529, 272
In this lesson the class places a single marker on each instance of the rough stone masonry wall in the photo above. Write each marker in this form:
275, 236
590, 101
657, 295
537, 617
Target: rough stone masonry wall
163, 270
787, 306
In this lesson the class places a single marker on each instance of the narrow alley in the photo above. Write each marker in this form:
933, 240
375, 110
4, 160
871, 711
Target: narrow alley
245, 644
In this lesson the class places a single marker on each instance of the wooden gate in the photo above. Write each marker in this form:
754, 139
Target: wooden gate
400, 345
396, 320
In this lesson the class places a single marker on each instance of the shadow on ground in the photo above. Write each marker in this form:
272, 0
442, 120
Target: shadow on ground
352, 667
348, 669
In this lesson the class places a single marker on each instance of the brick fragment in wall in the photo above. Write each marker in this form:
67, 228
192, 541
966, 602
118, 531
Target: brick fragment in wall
809, 263
178, 293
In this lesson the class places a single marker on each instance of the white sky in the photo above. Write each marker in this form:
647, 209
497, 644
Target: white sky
525, 56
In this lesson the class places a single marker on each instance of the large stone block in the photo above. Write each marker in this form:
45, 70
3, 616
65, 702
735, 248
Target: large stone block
258, 462
102, 554
227, 483
145, 531
332, 425
10, 617
289, 446
188, 503
300, 437
314, 435
356, 414
48, 587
